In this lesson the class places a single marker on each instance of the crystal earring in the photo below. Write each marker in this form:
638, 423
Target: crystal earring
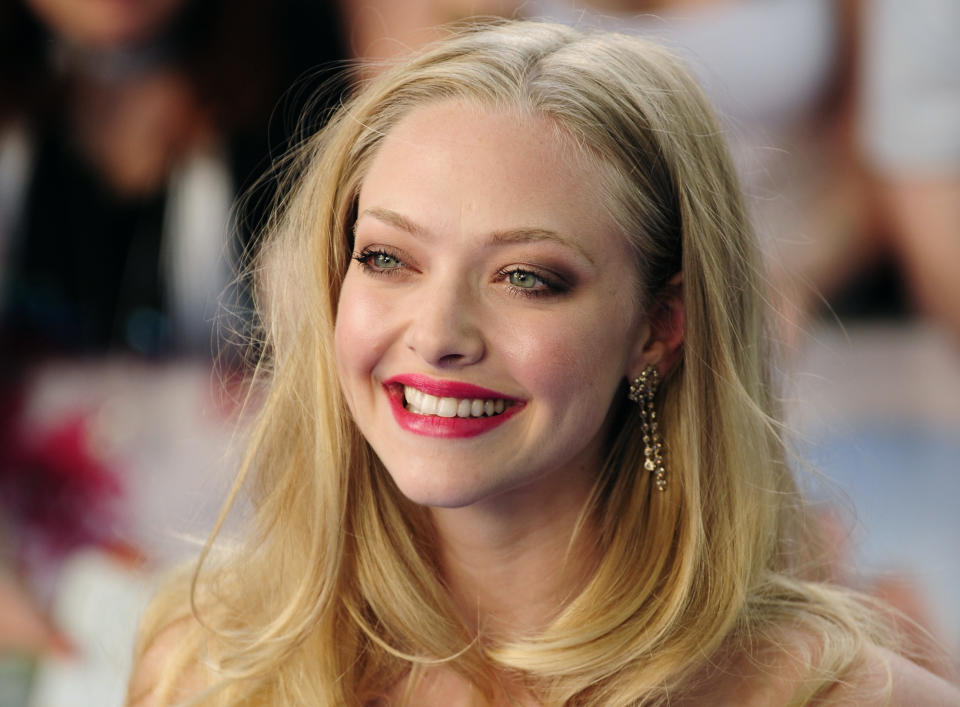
642, 392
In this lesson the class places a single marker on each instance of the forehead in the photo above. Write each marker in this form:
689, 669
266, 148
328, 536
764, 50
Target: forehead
466, 169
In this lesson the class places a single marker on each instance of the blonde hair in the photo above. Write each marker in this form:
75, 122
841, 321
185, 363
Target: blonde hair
336, 595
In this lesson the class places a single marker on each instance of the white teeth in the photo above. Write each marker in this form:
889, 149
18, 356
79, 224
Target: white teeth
448, 407
421, 403
429, 404
414, 397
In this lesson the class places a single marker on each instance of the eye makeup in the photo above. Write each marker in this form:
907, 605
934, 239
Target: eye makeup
528, 281
519, 279
380, 261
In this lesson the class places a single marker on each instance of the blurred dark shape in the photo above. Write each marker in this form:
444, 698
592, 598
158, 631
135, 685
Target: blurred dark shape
129, 135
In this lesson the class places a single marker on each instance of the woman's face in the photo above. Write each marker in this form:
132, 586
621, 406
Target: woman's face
489, 315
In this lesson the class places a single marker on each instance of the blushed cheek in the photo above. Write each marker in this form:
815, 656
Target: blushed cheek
571, 362
359, 336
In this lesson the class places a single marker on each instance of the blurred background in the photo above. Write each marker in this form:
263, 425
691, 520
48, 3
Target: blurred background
129, 130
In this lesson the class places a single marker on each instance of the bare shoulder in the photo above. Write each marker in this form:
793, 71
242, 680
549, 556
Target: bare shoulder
886, 678
166, 671
781, 674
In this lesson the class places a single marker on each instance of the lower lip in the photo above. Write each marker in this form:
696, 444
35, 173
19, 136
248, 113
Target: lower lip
437, 426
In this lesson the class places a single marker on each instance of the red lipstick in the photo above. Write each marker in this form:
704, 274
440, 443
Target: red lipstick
447, 389
449, 427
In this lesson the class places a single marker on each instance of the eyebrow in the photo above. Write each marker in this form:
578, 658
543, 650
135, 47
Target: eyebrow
512, 235
392, 218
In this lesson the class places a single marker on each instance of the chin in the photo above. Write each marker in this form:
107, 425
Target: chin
442, 497
433, 491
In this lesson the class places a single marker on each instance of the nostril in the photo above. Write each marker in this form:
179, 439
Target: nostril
445, 338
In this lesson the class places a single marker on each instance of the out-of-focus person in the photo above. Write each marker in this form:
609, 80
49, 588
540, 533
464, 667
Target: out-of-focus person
126, 131
909, 128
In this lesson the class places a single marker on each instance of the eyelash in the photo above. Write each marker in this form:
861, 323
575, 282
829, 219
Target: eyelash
367, 254
552, 286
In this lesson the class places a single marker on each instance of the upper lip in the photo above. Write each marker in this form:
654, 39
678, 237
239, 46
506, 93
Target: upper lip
446, 388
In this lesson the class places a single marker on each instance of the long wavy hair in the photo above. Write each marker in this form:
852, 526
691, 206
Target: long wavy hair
336, 596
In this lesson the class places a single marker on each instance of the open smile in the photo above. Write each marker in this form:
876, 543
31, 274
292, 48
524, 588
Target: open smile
435, 408
420, 403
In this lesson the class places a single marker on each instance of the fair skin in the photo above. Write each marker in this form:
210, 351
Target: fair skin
742, 684
435, 296
24, 628
509, 276
512, 277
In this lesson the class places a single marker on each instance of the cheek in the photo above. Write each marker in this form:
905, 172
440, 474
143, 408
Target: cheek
359, 334
582, 356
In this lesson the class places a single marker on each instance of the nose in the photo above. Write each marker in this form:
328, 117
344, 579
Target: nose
444, 329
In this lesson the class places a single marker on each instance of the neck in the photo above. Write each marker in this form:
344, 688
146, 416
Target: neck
513, 563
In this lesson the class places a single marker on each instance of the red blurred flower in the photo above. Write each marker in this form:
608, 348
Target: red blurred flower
55, 494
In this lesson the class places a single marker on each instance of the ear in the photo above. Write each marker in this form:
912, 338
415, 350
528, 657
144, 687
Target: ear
663, 330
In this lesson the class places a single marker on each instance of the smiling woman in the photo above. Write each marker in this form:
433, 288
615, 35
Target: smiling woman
519, 443
510, 278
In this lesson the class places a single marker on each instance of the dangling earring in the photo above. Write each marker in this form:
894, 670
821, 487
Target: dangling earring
642, 392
